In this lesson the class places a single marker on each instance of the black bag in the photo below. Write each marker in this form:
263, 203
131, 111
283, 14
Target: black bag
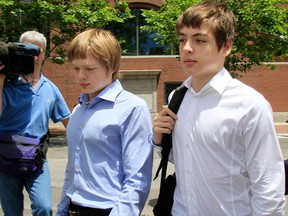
165, 199
20, 155
164, 203
286, 176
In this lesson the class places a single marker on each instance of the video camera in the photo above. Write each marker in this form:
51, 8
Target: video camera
18, 58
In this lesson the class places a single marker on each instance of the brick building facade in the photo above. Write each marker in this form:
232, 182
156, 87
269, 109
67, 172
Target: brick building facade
271, 83
148, 76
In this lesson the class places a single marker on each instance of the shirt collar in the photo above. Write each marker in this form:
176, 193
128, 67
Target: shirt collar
19, 81
218, 82
110, 93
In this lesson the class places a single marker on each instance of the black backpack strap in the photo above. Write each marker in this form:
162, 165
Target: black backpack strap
43, 148
46, 137
166, 142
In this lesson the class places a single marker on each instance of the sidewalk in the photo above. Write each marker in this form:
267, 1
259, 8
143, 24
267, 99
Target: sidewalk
57, 157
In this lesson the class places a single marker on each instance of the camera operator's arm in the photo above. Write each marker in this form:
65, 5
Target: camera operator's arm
65, 122
2, 78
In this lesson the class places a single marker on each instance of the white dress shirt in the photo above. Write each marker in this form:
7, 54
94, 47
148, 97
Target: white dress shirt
227, 156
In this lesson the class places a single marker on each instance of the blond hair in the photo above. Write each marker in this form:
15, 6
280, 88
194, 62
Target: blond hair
99, 44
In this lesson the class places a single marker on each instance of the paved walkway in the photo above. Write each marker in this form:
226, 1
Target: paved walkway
57, 157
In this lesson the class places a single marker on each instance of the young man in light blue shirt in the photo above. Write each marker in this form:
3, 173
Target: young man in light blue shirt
110, 154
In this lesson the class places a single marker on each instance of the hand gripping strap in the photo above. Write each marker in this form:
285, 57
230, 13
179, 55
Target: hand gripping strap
166, 142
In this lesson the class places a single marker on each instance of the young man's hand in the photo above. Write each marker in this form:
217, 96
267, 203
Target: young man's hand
163, 123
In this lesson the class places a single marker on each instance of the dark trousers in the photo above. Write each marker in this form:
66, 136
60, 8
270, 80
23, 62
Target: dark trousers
76, 210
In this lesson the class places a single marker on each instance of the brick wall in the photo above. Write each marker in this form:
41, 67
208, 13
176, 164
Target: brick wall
63, 77
271, 83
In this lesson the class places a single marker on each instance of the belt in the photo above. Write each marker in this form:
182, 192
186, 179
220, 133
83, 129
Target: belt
76, 210
73, 213
91, 212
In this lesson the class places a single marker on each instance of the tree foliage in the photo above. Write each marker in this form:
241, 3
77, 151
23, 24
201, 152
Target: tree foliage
58, 20
262, 30
262, 25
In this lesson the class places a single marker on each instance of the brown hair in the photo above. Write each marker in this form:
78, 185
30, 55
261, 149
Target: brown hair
216, 15
101, 45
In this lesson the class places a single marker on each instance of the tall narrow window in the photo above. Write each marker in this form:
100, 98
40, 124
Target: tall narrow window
134, 40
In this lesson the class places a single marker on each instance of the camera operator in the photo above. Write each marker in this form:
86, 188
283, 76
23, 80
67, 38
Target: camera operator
26, 105
2, 77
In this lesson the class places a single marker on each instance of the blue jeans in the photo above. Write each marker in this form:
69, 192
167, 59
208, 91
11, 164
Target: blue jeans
38, 186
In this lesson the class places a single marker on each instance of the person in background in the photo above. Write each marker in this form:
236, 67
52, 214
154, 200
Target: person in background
26, 105
227, 157
110, 150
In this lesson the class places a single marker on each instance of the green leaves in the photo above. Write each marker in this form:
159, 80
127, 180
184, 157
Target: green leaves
262, 30
58, 20
262, 27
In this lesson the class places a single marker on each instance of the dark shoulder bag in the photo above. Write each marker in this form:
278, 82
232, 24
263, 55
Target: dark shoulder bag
286, 176
22, 155
164, 203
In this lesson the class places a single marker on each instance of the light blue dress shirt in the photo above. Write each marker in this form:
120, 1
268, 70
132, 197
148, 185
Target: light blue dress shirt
110, 153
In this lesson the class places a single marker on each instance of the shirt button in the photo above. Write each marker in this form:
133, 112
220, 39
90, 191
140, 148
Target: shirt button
150, 138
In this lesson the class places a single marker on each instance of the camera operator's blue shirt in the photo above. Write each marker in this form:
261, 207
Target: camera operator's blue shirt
26, 111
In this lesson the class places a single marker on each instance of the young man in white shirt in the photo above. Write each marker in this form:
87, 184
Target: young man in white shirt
226, 153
